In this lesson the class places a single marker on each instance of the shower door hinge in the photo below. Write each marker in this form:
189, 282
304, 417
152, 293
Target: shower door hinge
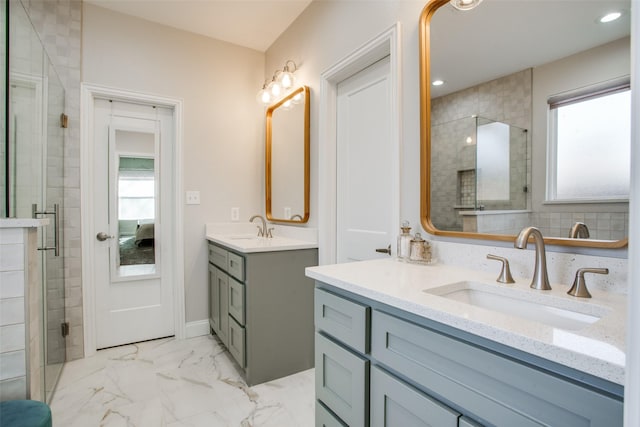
64, 121
65, 329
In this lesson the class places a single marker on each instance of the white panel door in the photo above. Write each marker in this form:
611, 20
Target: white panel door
365, 193
133, 175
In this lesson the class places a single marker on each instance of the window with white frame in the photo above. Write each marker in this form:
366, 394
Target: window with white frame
589, 144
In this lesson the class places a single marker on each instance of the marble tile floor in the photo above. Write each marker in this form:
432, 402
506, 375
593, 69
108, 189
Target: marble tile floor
176, 383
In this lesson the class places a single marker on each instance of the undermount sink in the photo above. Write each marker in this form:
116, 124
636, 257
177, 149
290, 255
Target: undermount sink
526, 304
246, 237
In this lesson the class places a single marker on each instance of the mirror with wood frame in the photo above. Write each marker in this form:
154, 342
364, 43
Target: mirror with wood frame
287, 158
498, 151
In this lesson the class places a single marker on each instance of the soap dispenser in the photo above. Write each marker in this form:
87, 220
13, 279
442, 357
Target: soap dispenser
404, 242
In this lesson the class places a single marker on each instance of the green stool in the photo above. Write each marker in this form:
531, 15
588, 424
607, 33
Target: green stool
24, 413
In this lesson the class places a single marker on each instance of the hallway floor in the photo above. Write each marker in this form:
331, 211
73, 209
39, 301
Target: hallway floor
172, 383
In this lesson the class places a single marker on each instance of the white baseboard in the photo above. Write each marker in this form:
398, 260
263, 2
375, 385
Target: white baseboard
197, 328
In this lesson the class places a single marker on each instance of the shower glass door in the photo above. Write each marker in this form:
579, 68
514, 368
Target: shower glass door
35, 185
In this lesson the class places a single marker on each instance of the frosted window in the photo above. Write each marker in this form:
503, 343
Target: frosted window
592, 142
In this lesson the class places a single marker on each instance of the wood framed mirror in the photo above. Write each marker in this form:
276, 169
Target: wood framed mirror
504, 64
288, 158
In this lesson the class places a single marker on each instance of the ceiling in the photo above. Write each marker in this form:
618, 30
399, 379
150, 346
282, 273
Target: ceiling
501, 37
255, 24
467, 47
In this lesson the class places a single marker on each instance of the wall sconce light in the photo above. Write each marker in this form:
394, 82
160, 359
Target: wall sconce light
281, 83
465, 4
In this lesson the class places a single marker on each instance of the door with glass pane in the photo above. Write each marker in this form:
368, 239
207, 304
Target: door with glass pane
132, 221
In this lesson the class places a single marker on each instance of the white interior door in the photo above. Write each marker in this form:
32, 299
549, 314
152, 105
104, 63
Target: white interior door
133, 177
366, 196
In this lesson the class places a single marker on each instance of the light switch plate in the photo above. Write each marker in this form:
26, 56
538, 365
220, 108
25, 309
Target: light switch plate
235, 214
193, 197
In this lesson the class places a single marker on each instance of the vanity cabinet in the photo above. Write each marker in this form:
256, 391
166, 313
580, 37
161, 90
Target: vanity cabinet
261, 308
414, 371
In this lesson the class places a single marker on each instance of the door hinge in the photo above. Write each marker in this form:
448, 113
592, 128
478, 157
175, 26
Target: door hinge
65, 329
64, 121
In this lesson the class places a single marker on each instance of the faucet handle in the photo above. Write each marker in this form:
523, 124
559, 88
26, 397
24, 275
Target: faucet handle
260, 231
269, 233
579, 287
505, 272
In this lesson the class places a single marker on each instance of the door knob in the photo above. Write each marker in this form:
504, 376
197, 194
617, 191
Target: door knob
386, 250
102, 236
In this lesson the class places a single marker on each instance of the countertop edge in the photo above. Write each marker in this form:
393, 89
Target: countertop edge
591, 365
231, 244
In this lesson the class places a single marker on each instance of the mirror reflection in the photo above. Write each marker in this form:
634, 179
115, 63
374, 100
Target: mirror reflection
529, 64
287, 158
136, 203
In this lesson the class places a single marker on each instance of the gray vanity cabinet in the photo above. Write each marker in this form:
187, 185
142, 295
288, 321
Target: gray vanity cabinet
265, 310
421, 373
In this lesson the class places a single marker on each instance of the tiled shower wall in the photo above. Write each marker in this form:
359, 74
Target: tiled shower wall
507, 100
59, 24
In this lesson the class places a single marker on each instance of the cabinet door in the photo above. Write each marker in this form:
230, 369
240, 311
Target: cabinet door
223, 301
236, 300
466, 422
342, 382
396, 404
214, 299
236, 341
324, 417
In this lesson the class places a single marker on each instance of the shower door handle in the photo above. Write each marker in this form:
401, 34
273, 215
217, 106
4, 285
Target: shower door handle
56, 226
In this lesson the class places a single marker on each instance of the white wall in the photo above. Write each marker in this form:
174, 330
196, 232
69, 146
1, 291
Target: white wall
223, 146
328, 31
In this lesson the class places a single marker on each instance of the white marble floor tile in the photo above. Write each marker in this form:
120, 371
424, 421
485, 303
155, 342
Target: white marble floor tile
188, 383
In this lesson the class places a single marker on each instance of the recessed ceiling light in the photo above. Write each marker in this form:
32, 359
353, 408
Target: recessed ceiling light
610, 17
437, 82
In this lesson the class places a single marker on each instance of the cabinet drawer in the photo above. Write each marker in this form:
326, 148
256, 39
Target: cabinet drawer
236, 339
218, 256
235, 266
394, 403
236, 300
342, 382
466, 375
345, 320
324, 417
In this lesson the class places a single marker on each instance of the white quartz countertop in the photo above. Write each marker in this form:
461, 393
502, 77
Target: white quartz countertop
597, 349
242, 238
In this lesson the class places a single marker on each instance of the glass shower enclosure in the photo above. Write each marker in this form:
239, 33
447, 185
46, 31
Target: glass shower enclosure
477, 164
33, 170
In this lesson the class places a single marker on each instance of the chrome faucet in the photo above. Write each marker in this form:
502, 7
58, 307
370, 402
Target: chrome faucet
261, 229
579, 230
540, 279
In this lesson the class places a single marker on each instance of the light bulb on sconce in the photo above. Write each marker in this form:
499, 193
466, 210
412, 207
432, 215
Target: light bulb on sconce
264, 96
286, 78
275, 89
281, 83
